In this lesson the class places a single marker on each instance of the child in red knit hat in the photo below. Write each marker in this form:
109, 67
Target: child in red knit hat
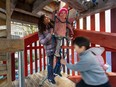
60, 28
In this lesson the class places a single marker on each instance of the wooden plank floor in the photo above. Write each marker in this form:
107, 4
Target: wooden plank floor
36, 79
3, 82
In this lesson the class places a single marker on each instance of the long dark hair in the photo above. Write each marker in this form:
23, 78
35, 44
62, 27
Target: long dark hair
42, 26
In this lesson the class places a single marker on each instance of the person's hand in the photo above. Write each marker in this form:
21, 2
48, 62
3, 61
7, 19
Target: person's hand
63, 61
51, 31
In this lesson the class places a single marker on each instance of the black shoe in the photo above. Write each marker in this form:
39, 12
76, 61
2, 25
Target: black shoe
60, 74
56, 74
52, 81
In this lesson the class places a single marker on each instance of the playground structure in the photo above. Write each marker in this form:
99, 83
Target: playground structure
28, 11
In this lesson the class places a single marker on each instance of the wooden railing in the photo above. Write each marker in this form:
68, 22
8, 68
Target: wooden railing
35, 58
35, 52
7, 46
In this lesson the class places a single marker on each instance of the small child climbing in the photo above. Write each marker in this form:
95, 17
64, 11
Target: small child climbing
61, 24
93, 75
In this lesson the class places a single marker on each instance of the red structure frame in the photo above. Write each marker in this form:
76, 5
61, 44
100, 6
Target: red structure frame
102, 38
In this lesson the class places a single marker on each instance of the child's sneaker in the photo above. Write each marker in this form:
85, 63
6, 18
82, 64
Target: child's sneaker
52, 81
56, 74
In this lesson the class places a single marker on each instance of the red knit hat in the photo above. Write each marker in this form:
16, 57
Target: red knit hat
63, 9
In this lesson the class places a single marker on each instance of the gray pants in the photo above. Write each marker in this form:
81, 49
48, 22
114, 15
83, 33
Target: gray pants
59, 42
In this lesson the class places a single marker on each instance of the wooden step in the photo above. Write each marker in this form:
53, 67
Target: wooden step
2, 22
2, 15
3, 67
3, 57
11, 45
3, 33
2, 54
36, 79
3, 72
3, 83
16, 83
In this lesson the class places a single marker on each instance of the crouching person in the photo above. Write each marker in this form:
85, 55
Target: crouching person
93, 75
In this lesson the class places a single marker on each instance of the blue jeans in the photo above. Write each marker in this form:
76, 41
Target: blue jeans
57, 68
50, 67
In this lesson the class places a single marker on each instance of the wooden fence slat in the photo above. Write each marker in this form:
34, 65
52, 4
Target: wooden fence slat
36, 64
31, 61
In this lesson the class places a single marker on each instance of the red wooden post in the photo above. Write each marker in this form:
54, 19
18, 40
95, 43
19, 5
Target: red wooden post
113, 30
63, 55
40, 58
31, 60
102, 29
13, 66
25, 61
92, 22
84, 23
92, 17
68, 71
36, 68
44, 59
78, 24
72, 53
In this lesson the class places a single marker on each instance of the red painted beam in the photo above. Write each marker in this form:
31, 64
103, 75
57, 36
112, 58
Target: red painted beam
31, 60
113, 30
13, 65
84, 23
102, 21
104, 39
78, 24
40, 58
36, 64
44, 59
31, 38
63, 55
102, 29
68, 59
92, 18
72, 57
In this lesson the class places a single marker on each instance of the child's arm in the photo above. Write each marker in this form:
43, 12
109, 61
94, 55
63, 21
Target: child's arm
43, 40
80, 66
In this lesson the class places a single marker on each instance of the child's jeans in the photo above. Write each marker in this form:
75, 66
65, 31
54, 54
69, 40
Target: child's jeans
57, 68
83, 84
50, 67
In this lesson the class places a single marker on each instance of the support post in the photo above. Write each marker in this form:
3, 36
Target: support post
21, 69
102, 29
92, 26
113, 30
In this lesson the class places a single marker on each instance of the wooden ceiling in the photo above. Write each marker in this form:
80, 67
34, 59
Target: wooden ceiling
30, 8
